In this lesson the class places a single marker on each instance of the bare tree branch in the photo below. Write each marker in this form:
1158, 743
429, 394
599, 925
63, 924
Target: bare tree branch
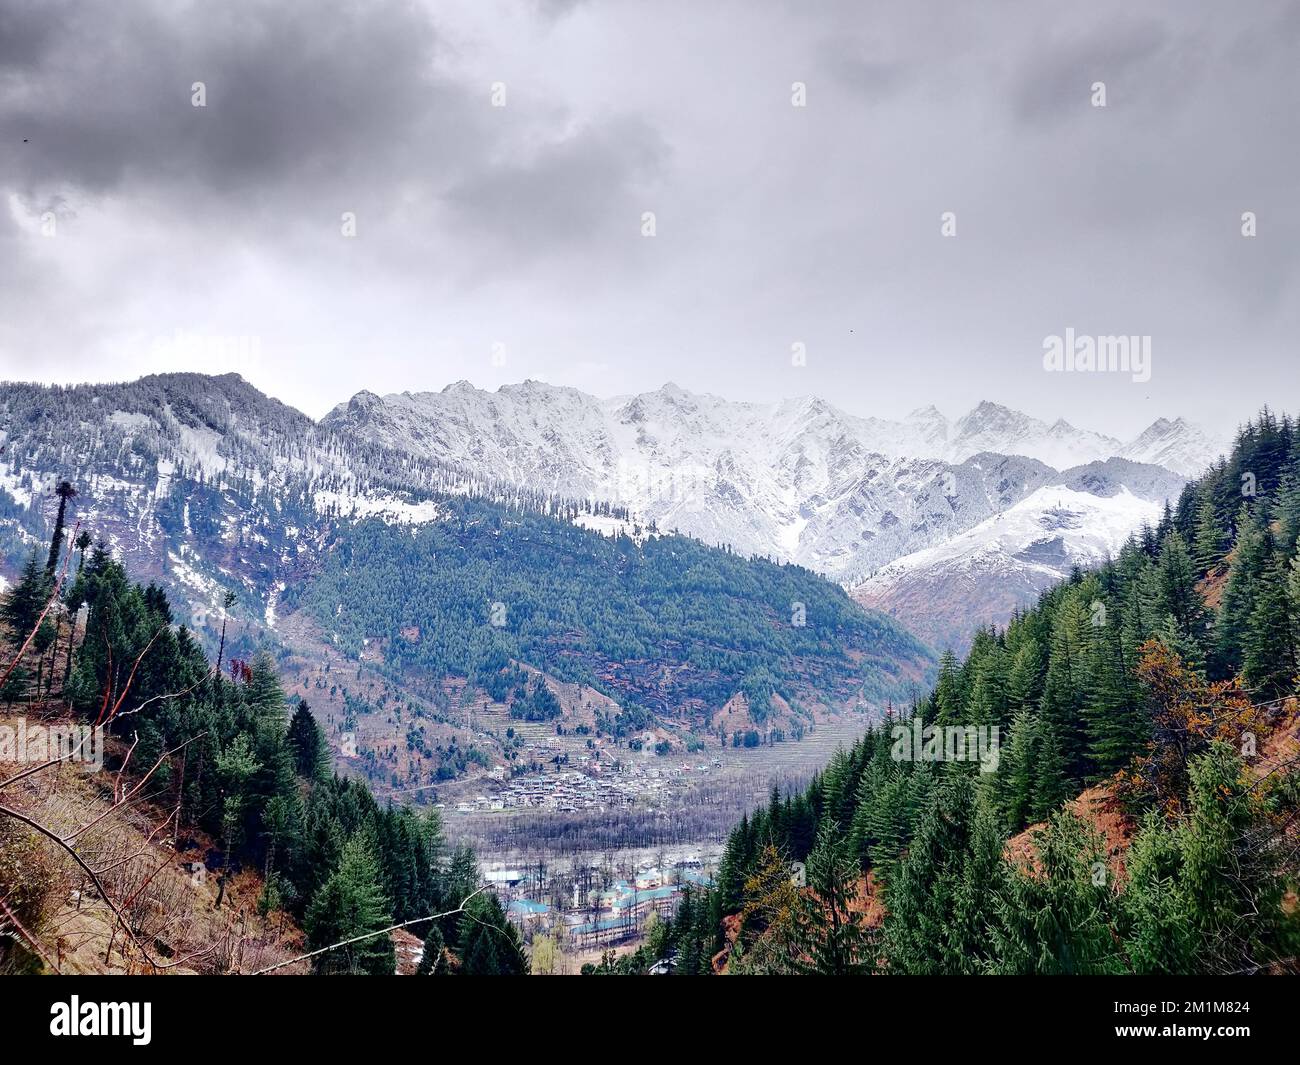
370, 935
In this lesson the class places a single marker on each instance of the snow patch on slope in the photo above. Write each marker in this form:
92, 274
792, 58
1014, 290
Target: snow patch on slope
1088, 529
393, 511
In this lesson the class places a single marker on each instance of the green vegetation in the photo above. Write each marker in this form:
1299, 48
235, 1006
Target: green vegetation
224, 753
1126, 677
665, 625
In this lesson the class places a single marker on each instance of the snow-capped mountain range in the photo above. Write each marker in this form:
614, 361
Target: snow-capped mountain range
533, 429
798, 480
857, 499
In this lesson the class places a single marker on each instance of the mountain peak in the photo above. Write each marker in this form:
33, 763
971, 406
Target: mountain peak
1177, 445
987, 406
988, 415
927, 413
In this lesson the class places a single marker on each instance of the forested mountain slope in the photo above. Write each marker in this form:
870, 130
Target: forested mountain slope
1166, 678
195, 472
665, 625
398, 592
221, 771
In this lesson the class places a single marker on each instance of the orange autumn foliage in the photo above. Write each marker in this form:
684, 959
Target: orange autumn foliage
1187, 713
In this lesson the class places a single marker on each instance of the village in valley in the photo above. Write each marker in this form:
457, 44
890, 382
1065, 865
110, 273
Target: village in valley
591, 906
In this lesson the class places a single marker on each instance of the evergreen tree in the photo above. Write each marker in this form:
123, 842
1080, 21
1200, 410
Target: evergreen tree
489, 943
1025, 685
1208, 548
25, 602
351, 904
829, 937
919, 934
947, 690
990, 700
1203, 896
64, 491
1178, 594
1116, 722
433, 961
1269, 644
1249, 560
307, 742
1056, 920
1063, 689
1013, 783
1053, 782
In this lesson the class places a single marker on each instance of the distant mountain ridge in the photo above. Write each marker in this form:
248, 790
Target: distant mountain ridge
392, 584
613, 423
870, 502
799, 480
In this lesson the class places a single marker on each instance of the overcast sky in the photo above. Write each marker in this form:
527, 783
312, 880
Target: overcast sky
211, 238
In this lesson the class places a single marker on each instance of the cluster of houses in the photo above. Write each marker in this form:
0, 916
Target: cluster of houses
572, 790
614, 915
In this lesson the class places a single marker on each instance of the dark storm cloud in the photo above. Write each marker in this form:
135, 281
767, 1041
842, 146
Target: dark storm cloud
306, 104
27, 32
294, 92
521, 224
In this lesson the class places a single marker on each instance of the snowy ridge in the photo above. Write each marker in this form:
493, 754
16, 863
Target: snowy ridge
982, 575
799, 480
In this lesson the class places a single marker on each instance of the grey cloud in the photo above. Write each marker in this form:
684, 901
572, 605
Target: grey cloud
776, 224
295, 91
1057, 83
578, 189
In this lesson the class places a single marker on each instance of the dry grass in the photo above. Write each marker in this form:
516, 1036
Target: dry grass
175, 925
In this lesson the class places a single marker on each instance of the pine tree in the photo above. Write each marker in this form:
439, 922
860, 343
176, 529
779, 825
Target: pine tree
1269, 645
1288, 509
1208, 551
489, 943
1203, 894
25, 602
1114, 715
947, 690
1179, 595
1062, 704
990, 700
874, 780
829, 936
64, 491
1025, 685
351, 904
1053, 784
1013, 784
838, 787
918, 930
983, 877
433, 962
263, 694
310, 754
83, 542
1057, 920
1158, 936
1249, 559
